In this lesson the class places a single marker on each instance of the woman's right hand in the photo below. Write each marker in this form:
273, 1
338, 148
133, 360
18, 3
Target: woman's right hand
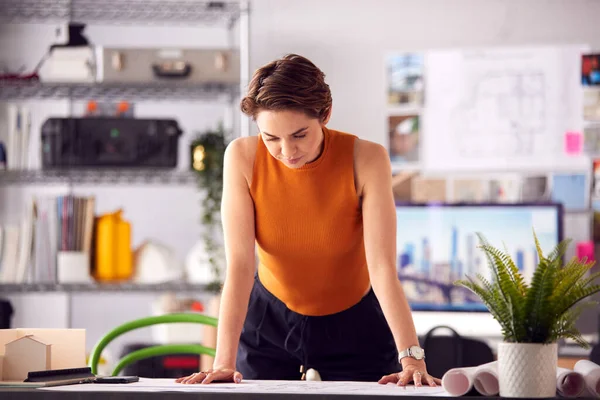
212, 375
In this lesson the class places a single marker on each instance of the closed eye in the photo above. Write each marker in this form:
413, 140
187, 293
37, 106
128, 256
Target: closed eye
296, 135
271, 139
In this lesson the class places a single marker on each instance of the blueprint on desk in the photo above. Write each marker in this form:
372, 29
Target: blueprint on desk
248, 386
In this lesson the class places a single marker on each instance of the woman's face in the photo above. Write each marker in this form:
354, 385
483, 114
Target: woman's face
291, 136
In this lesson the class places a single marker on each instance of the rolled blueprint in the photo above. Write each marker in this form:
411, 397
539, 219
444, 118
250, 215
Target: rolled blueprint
486, 379
591, 375
569, 383
460, 381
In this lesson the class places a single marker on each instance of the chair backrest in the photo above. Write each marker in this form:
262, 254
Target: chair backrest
153, 351
595, 354
446, 352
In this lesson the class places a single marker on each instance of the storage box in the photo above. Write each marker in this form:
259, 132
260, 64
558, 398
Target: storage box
219, 66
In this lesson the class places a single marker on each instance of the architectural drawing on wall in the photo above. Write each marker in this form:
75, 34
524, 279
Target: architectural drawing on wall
503, 114
501, 108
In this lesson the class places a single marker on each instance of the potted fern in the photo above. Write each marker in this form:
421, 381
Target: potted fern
533, 316
207, 259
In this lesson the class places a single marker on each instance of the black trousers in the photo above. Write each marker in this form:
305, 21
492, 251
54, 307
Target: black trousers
353, 345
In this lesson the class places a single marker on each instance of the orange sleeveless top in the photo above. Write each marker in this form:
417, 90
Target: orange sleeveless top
309, 229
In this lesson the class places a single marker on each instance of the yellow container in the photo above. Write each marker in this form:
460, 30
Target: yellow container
114, 258
124, 254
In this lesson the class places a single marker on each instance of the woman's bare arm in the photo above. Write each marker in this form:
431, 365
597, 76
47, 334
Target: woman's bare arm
379, 216
237, 213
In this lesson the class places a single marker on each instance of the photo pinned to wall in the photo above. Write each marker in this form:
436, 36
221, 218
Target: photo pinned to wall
572, 190
591, 139
595, 199
404, 139
591, 103
596, 179
404, 73
590, 70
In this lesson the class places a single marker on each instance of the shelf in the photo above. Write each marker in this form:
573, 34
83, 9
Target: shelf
112, 12
15, 90
99, 176
100, 287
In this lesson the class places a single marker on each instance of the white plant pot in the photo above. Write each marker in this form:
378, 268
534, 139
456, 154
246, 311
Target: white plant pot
527, 369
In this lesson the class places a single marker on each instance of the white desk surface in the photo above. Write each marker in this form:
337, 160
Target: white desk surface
248, 386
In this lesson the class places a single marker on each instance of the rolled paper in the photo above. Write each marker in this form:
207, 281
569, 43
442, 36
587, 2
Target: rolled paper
458, 381
569, 383
486, 379
591, 374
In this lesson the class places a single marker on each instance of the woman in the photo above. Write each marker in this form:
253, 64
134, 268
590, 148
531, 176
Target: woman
318, 204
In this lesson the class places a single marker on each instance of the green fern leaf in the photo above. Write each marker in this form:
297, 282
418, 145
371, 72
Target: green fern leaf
538, 247
504, 315
507, 284
537, 305
570, 273
577, 294
591, 278
559, 250
491, 264
487, 299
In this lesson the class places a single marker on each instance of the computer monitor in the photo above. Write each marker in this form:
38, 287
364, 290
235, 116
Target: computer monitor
437, 245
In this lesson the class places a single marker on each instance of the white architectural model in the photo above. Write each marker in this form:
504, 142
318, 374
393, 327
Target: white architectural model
23, 355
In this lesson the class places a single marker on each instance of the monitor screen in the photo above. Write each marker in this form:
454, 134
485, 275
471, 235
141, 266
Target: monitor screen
437, 245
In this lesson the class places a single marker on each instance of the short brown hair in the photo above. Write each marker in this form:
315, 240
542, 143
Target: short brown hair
290, 83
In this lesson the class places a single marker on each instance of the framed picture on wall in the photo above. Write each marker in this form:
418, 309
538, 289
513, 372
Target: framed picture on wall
404, 139
590, 70
405, 84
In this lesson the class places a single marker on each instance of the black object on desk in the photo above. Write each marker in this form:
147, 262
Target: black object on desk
6, 312
116, 379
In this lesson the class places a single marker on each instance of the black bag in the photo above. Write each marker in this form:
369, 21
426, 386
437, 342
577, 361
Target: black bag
443, 353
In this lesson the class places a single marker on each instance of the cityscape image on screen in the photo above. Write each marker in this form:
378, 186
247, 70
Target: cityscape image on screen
438, 244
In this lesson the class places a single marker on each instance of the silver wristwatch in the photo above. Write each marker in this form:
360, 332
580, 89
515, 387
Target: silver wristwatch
413, 351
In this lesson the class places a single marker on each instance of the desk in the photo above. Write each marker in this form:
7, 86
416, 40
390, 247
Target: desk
168, 389
34, 394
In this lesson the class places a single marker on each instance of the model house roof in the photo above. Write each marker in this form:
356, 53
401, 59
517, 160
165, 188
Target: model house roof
30, 337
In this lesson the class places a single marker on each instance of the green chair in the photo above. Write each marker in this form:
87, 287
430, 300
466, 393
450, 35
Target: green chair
153, 351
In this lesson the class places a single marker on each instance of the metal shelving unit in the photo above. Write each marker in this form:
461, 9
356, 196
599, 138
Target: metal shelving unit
225, 14
132, 12
11, 90
99, 176
100, 287
138, 12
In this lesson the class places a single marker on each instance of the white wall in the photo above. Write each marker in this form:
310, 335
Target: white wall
348, 40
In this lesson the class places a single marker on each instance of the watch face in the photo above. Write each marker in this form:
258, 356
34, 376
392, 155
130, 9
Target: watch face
417, 352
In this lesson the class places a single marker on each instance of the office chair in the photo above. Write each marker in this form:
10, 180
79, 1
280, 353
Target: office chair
153, 351
453, 351
595, 354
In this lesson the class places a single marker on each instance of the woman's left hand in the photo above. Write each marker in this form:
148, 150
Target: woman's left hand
411, 373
